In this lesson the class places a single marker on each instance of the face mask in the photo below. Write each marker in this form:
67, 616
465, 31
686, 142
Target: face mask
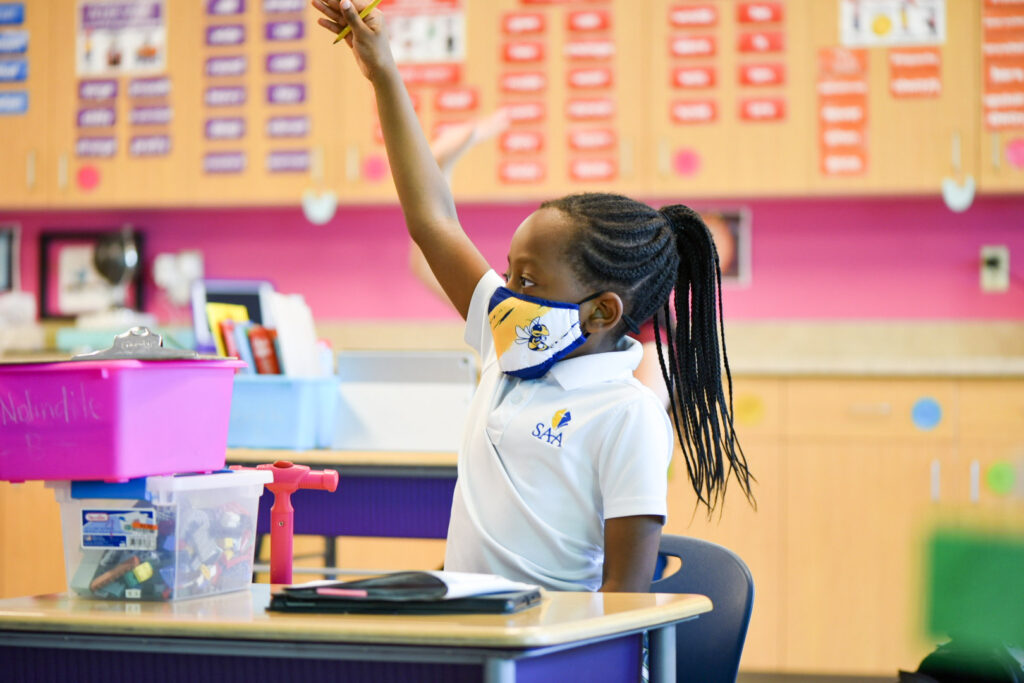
532, 334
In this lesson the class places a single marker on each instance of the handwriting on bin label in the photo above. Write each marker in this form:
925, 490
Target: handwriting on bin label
72, 406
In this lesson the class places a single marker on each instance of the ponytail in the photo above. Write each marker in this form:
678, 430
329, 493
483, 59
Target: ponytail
644, 254
702, 415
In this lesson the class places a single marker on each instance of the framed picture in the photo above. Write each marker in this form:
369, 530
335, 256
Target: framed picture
10, 255
71, 284
731, 230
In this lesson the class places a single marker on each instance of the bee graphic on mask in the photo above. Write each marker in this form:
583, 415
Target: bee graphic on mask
535, 335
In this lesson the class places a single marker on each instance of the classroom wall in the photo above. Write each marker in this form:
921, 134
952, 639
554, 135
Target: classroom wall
813, 259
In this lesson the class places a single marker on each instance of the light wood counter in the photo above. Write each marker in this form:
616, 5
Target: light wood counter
327, 458
560, 618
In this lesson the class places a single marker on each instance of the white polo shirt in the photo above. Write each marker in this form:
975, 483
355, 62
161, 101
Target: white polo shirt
544, 462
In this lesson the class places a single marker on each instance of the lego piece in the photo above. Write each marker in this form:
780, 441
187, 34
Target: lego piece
112, 575
143, 573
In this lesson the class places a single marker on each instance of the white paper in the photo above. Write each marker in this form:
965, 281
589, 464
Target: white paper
890, 23
463, 584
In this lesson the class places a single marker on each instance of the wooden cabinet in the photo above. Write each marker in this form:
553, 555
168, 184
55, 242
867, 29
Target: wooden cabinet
650, 142
31, 544
712, 140
27, 163
989, 480
863, 480
293, 120
913, 142
149, 162
752, 533
857, 512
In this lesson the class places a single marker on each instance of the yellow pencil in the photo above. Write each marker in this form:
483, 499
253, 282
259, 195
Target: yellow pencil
362, 15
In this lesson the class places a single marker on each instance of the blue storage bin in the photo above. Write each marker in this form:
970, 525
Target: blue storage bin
276, 411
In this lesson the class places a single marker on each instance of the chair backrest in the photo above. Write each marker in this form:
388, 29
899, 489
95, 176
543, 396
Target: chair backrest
708, 649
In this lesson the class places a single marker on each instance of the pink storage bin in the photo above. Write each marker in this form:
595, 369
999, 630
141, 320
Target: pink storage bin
113, 419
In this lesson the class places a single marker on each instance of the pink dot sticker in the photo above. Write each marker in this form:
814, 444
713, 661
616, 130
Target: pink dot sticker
88, 177
686, 162
1015, 152
375, 168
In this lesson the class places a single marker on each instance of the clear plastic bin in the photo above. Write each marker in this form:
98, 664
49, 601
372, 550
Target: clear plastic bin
160, 538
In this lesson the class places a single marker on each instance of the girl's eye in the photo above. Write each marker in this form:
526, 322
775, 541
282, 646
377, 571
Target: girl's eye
526, 282
504, 276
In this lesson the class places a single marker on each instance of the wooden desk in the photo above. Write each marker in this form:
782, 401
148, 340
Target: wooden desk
570, 636
380, 493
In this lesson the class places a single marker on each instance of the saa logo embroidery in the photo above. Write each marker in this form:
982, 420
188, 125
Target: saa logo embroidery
543, 432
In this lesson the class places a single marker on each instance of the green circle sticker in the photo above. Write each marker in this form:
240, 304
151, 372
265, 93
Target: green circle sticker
999, 478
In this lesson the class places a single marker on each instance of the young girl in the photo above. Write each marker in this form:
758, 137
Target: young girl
562, 471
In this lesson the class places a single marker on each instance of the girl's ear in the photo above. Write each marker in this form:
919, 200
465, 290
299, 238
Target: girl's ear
603, 314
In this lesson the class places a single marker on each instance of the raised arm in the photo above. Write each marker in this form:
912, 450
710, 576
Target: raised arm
422, 189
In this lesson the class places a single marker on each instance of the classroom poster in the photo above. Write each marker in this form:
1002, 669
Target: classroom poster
842, 111
120, 37
1003, 79
891, 23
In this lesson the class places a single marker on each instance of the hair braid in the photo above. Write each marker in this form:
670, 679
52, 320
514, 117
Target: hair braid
643, 255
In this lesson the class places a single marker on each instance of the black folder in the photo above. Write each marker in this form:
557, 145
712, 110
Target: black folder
398, 593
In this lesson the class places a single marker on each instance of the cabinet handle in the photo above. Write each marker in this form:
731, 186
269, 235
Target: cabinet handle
870, 409
936, 472
997, 152
957, 157
663, 158
975, 481
316, 169
62, 172
352, 163
30, 170
626, 157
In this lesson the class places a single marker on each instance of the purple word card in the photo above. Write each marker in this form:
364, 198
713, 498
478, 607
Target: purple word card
97, 91
229, 34
103, 148
229, 128
286, 93
224, 162
141, 88
150, 146
225, 96
226, 66
151, 116
286, 62
287, 126
288, 161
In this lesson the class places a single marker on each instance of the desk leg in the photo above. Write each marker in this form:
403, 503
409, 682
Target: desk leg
498, 670
662, 659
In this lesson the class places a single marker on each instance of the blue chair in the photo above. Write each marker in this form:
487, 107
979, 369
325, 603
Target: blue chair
708, 648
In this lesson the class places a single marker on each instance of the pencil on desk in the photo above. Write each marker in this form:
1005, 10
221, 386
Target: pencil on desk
362, 15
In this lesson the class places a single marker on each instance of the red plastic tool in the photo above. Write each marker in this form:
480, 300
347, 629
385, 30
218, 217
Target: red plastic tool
288, 478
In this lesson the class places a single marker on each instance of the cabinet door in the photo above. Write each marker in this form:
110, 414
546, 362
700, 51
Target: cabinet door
134, 147
571, 77
1001, 130
857, 512
729, 99
31, 551
913, 142
279, 141
753, 534
24, 103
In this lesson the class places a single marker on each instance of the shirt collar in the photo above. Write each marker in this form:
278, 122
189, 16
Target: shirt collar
594, 368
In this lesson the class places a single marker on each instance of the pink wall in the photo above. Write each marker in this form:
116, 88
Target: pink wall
812, 258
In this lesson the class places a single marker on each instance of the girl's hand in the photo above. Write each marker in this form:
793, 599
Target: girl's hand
368, 39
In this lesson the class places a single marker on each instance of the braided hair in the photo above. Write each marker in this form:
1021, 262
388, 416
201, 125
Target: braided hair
643, 254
